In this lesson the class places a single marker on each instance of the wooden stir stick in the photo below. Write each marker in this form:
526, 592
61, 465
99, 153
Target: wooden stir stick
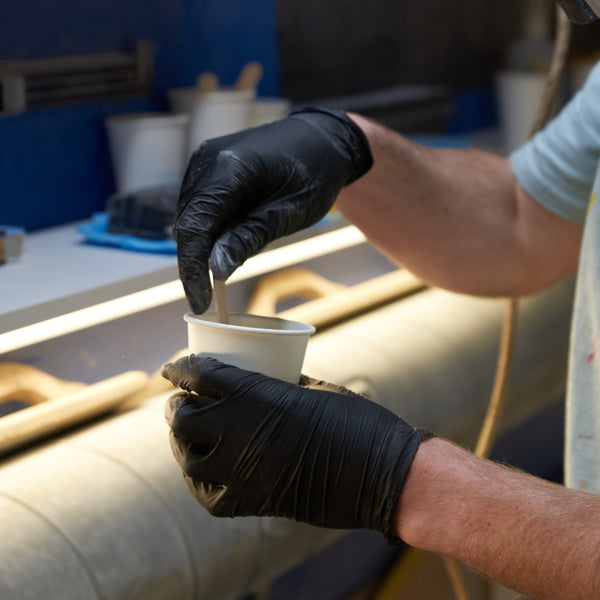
249, 77
221, 301
207, 82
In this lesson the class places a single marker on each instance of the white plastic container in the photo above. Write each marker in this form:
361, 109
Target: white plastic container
266, 110
267, 345
519, 96
212, 114
147, 149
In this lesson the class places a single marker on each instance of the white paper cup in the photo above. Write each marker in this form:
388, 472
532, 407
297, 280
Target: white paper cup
147, 149
212, 114
268, 345
267, 110
519, 96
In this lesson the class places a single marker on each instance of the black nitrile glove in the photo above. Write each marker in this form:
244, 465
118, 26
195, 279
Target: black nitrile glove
253, 445
243, 190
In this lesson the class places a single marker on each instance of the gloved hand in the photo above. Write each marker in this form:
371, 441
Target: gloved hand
249, 444
243, 190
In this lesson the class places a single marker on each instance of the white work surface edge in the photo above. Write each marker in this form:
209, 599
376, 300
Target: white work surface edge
62, 284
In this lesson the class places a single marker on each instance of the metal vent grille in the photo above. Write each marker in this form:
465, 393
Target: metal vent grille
26, 84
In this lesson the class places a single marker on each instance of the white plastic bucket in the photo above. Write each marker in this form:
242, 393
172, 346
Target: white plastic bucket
519, 96
147, 149
268, 345
266, 110
212, 114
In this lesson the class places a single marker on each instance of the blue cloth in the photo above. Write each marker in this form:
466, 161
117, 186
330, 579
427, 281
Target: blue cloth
96, 232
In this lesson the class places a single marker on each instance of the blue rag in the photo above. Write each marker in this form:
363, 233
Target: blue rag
96, 232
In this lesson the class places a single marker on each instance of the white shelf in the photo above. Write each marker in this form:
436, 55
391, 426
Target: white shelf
59, 273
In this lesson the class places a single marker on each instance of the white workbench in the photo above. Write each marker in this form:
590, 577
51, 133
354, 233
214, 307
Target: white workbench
59, 272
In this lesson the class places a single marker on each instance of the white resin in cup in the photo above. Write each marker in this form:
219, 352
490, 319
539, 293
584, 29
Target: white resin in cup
268, 345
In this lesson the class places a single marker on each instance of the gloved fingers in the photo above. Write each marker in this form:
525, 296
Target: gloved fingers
192, 259
190, 418
205, 203
213, 192
196, 227
196, 437
210, 377
237, 244
185, 403
197, 460
289, 211
186, 373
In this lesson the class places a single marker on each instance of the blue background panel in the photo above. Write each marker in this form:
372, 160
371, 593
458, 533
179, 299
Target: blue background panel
54, 162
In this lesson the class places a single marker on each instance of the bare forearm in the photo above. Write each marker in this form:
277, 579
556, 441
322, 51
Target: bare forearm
456, 218
534, 536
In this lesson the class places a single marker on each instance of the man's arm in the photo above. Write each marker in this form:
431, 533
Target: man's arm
534, 536
457, 218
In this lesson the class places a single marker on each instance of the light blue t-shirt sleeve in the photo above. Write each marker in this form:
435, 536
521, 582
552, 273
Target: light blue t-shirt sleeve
557, 167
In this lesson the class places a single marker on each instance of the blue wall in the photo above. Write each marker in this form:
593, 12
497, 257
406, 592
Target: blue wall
55, 163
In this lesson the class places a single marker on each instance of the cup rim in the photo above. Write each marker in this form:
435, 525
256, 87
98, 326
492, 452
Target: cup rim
300, 328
